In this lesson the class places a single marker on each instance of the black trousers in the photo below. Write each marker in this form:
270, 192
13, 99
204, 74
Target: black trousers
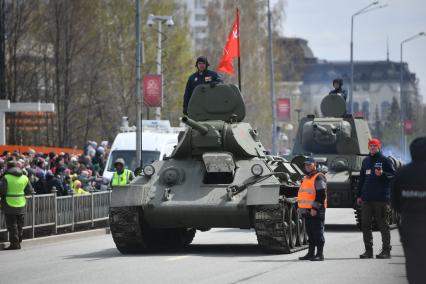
413, 236
380, 211
315, 230
14, 224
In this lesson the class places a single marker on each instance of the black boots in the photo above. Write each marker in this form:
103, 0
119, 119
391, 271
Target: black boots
310, 254
319, 256
367, 254
385, 253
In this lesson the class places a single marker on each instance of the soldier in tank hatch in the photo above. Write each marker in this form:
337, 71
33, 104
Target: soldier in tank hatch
337, 85
201, 76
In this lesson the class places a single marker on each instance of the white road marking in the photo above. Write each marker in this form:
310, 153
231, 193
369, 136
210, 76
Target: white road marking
177, 257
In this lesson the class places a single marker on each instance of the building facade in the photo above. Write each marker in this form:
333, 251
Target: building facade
198, 21
376, 84
306, 80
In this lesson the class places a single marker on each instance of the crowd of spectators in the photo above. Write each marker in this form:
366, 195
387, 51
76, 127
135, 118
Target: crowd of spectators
66, 173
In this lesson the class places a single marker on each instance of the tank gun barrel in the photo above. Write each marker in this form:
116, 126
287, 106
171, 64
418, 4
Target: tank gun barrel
321, 129
195, 125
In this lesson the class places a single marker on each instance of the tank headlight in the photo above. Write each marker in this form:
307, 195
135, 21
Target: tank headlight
257, 170
339, 165
171, 176
148, 170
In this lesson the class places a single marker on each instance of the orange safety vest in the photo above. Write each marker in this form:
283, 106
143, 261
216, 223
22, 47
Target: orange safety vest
306, 194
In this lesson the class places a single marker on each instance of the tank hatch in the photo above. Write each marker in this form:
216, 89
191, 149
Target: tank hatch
222, 102
333, 105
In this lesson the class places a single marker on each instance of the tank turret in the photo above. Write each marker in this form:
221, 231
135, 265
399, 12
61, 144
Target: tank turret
215, 123
333, 105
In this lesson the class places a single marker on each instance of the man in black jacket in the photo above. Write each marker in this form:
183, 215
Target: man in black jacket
374, 195
201, 76
409, 199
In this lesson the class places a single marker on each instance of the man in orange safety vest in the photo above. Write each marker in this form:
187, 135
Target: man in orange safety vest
312, 202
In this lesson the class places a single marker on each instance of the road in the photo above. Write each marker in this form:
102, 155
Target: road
216, 256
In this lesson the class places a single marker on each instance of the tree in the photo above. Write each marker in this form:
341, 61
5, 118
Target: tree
377, 130
391, 131
81, 56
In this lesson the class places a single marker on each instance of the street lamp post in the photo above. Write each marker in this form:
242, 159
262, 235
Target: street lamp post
401, 97
272, 86
366, 9
139, 96
168, 20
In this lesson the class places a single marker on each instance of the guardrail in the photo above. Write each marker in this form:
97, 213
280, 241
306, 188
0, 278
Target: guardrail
49, 210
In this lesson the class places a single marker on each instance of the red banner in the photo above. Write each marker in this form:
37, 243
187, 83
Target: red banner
359, 114
283, 109
232, 48
153, 90
408, 127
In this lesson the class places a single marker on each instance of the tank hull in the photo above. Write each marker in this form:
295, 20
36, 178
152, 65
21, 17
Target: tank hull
149, 215
193, 203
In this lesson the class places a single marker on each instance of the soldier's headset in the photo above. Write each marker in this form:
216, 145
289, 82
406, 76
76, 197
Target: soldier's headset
202, 59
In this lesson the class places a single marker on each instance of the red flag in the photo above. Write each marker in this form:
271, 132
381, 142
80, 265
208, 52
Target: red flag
232, 48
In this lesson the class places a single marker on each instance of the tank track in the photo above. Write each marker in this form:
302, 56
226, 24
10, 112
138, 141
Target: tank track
277, 230
126, 230
132, 234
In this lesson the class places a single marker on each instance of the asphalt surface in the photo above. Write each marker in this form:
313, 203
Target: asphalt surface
216, 256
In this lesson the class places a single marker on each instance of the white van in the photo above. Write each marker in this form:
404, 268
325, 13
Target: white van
156, 144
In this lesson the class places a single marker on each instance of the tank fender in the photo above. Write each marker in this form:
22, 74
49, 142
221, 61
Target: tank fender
126, 196
263, 194
338, 177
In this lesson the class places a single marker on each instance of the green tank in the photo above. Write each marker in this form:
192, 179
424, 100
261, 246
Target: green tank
218, 176
338, 141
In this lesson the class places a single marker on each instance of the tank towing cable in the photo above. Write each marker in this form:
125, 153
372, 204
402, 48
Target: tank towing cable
233, 190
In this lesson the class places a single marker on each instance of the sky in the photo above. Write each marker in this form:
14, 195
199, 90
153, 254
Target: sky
326, 25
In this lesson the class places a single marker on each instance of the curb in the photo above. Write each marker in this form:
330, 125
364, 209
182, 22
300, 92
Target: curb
62, 237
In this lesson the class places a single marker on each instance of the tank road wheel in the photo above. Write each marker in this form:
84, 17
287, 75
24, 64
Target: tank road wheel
178, 238
305, 234
188, 236
301, 231
292, 221
273, 229
126, 229
392, 217
358, 216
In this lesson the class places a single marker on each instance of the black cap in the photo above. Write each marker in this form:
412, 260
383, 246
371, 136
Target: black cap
339, 81
203, 59
309, 160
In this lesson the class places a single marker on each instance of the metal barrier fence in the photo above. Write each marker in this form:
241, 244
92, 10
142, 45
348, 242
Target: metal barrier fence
49, 210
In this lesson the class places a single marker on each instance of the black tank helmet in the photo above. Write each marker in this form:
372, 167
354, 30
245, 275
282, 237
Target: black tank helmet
338, 81
203, 59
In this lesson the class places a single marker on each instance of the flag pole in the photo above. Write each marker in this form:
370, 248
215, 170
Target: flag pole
239, 62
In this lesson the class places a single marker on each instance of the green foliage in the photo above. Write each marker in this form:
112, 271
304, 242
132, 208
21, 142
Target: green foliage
80, 55
377, 131
391, 131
